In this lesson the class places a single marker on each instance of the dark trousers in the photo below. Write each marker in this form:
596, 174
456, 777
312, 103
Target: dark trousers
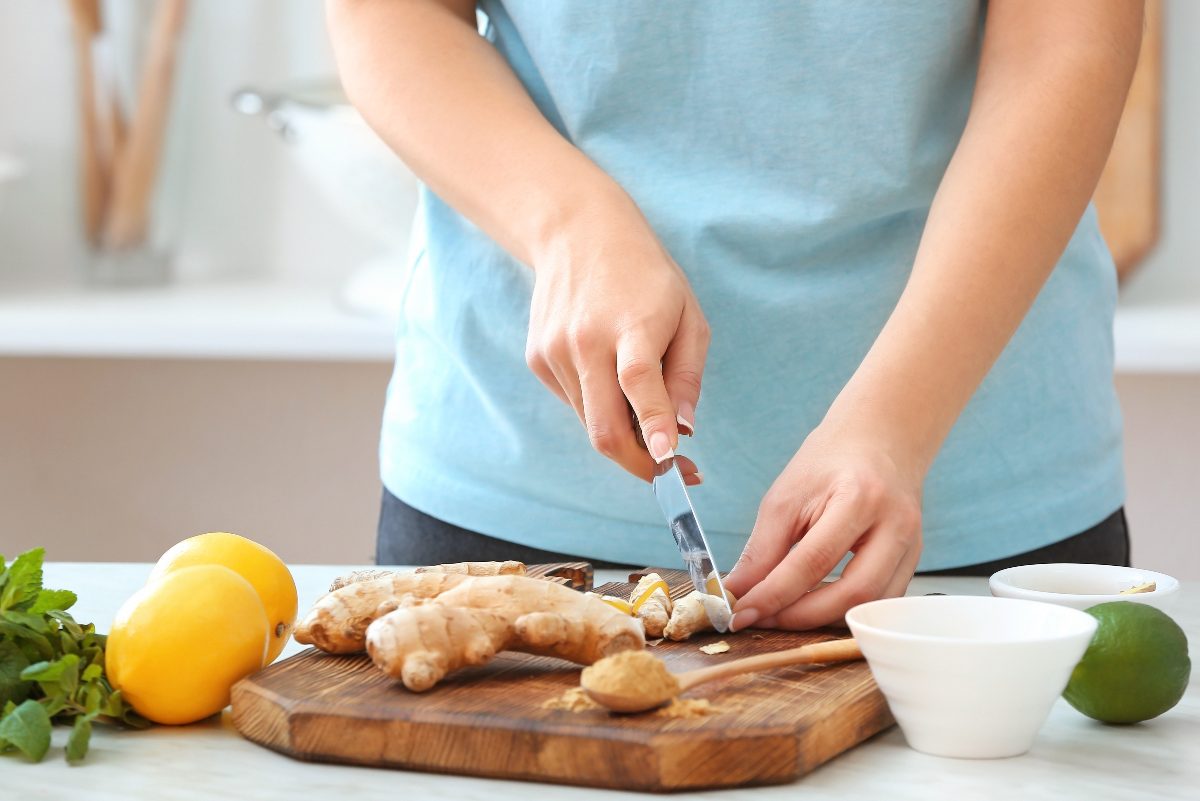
408, 536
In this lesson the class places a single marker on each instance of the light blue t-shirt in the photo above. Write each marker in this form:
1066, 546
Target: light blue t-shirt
787, 155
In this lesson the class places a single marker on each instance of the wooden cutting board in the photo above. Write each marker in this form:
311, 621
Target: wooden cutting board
491, 721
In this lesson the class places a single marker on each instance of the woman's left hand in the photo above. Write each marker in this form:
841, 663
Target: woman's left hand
841, 493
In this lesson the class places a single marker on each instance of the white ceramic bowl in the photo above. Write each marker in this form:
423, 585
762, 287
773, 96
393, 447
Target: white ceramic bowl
1082, 586
970, 676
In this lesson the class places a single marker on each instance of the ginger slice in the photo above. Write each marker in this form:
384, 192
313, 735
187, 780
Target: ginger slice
693, 614
715, 648
1149, 586
651, 602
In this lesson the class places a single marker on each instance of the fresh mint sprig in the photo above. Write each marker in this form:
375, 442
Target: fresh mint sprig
51, 667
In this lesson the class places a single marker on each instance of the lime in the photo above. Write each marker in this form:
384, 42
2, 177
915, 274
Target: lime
1136, 667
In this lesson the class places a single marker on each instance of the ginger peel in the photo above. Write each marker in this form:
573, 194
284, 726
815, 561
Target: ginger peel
651, 604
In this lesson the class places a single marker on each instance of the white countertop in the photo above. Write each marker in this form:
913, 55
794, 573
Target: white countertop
249, 319
1073, 757
264, 319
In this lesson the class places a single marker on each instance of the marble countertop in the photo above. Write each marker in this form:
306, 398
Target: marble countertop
1073, 756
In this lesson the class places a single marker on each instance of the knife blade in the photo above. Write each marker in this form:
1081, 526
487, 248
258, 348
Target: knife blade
672, 496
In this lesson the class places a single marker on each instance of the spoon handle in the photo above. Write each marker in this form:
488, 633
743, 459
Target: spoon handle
844, 650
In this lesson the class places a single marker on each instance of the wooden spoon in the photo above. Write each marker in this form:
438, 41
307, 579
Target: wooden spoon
845, 650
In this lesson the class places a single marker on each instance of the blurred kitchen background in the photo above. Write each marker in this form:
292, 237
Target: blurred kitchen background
196, 308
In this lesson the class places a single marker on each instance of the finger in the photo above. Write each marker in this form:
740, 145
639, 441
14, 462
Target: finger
867, 577
775, 530
568, 380
683, 366
898, 586
820, 550
541, 369
691, 474
639, 372
606, 417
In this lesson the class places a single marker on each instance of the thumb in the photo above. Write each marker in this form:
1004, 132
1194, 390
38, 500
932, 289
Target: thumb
683, 365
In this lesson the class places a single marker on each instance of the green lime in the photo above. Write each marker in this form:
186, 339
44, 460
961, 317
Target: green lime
1136, 667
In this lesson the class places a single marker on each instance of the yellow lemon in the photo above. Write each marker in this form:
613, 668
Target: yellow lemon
256, 563
178, 644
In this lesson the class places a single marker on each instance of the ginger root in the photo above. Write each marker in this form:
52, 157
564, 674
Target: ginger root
651, 604
420, 641
508, 568
337, 623
693, 614
356, 576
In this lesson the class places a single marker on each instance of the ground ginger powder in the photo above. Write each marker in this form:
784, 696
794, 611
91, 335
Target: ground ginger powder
632, 674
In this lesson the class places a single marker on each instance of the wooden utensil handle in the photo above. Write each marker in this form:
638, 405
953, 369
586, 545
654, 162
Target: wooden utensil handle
844, 650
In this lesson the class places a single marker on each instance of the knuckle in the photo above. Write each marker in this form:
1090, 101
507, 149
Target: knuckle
862, 490
534, 358
908, 514
823, 554
751, 555
776, 504
635, 372
604, 440
687, 379
582, 337
860, 594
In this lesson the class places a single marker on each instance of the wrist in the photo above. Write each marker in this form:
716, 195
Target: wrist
578, 218
887, 424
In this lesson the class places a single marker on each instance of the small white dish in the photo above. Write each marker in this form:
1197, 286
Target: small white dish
970, 676
1082, 586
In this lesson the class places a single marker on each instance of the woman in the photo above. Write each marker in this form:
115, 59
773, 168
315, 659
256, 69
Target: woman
864, 224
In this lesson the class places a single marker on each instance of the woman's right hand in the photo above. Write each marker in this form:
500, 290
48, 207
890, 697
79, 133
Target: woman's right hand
613, 318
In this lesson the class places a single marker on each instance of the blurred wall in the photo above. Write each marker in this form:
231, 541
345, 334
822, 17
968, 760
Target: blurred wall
117, 460
1162, 461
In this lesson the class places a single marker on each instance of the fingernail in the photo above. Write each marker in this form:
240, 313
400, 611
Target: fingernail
743, 619
660, 447
684, 419
699, 477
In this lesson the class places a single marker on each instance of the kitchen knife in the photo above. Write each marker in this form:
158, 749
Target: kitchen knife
672, 496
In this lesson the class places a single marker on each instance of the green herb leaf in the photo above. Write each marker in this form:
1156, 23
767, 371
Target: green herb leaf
53, 600
93, 698
48, 671
12, 662
39, 645
81, 735
50, 665
28, 728
35, 623
24, 580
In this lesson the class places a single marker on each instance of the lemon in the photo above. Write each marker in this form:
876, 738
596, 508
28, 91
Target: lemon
1136, 667
256, 563
178, 644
